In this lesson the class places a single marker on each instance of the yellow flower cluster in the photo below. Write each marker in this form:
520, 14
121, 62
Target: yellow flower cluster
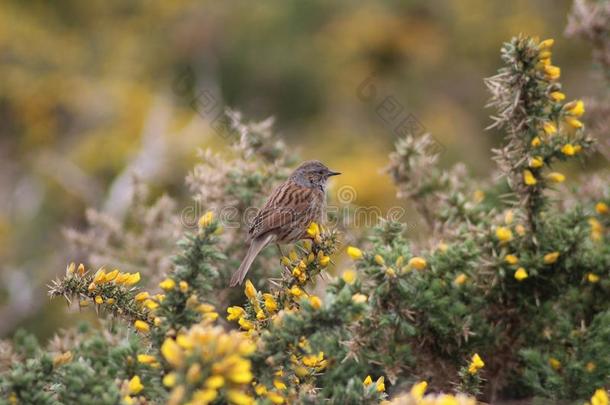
600, 397
102, 277
550, 127
102, 288
379, 384
417, 396
597, 229
416, 262
208, 363
313, 260
476, 363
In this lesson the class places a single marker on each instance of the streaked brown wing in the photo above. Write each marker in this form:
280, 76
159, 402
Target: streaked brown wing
288, 203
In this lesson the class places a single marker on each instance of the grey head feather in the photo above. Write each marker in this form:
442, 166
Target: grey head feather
312, 174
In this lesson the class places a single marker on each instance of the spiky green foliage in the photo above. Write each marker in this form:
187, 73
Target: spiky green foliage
506, 300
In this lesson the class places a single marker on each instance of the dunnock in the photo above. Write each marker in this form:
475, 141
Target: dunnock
286, 215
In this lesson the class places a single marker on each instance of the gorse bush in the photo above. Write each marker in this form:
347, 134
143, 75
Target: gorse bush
507, 299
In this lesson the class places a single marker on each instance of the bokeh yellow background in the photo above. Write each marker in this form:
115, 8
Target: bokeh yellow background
90, 90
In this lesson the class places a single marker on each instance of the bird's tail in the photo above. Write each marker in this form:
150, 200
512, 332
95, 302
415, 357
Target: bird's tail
255, 247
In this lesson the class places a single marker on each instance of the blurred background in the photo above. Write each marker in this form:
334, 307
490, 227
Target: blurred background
91, 92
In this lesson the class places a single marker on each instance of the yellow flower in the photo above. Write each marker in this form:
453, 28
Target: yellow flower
296, 291
520, 229
313, 230
556, 177
379, 260
546, 44
206, 219
131, 279
168, 284
536, 162
239, 398
99, 300
110, 301
557, 96
293, 255
575, 108
193, 375
135, 385
172, 352
169, 380
359, 298
552, 72
551, 258
249, 290
354, 252
214, 382
324, 260
390, 272
574, 122
150, 304
367, 381
460, 279
418, 263
205, 308
260, 389
99, 276
315, 302
184, 286
536, 142
418, 390
279, 384
511, 259
476, 363
528, 178
554, 363
141, 326
235, 313
121, 278
142, 296
380, 384
549, 128
205, 396
504, 234
349, 276
520, 274
592, 278
246, 324
600, 397
146, 359
270, 304
479, 196
568, 149
112, 275
275, 397
61, 359
602, 208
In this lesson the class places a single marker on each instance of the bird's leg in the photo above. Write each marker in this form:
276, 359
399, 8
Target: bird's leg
279, 249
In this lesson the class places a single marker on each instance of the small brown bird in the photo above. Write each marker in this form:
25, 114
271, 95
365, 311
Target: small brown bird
284, 218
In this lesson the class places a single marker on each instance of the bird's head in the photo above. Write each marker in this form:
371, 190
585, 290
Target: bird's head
312, 174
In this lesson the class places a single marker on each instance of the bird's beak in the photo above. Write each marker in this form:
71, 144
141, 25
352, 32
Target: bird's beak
331, 173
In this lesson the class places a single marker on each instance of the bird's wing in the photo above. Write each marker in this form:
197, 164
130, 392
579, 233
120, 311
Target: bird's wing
287, 204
